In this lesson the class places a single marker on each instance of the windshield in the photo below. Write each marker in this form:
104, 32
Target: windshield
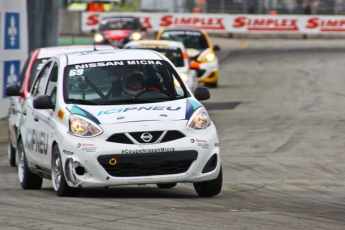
190, 39
122, 82
173, 53
119, 24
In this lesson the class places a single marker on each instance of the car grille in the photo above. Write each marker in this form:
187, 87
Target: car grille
148, 164
123, 138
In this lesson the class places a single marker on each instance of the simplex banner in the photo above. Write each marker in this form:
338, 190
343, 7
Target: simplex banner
13, 46
225, 23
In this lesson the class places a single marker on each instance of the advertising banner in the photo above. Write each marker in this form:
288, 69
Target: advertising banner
13, 46
225, 23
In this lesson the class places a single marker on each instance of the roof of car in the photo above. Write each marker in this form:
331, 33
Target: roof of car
48, 52
155, 43
182, 29
112, 55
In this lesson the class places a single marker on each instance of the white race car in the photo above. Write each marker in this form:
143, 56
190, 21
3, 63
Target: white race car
116, 117
177, 54
28, 73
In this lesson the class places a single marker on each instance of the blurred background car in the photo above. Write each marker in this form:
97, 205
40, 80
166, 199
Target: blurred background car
119, 30
176, 52
199, 48
32, 65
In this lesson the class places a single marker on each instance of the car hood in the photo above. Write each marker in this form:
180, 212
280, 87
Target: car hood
162, 111
112, 35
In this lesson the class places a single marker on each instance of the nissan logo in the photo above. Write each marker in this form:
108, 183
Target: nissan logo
146, 137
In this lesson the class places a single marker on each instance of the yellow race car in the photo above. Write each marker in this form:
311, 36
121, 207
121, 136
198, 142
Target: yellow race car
199, 48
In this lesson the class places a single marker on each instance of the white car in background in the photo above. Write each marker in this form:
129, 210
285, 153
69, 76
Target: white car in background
27, 75
116, 117
176, 53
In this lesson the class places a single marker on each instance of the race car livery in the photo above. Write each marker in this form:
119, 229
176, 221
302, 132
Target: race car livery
199, 48
118, 30
116, 117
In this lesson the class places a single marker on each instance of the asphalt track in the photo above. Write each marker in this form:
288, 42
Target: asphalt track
282, 150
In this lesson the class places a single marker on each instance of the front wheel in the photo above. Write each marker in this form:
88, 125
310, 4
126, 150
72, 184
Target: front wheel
11, 153
27, 179
58, 178
211, 187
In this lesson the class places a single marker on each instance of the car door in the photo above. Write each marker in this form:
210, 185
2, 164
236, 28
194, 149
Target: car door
33, 128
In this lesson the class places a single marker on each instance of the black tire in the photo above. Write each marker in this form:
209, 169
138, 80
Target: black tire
58, 177
11, 153
212, 85
166, 185
210, 188
27, 179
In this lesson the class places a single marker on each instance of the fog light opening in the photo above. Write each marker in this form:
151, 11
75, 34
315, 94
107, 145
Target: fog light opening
79, 170
211, 164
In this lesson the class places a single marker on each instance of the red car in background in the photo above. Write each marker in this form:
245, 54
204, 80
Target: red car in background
27, 76
119, 30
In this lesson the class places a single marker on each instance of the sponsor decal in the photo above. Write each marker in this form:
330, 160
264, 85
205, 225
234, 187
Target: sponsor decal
192, 140
216, 145
60, 114
86, 147
67, 152
114, 63
156, 150
202, 145
326, 25
124, 110
266, 24
36, 141
202, 22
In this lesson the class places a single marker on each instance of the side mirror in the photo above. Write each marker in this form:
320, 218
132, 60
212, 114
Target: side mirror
216, 47
194, 65
13, 90
43, 102
202, 93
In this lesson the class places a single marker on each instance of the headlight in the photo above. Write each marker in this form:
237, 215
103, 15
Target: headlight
184, 77
210, 57
98, 38
199, 120
83, 127
136, 36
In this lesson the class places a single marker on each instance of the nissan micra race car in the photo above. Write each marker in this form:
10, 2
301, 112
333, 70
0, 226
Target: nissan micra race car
199, 48
116, 117
176, 53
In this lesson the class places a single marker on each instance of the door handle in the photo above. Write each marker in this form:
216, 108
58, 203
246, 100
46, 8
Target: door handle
24, 112
36, 119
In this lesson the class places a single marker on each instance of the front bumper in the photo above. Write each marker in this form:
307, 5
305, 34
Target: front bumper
208, 72
95, 162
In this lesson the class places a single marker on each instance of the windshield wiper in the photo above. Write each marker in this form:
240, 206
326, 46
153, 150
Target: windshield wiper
133, 101
82, 102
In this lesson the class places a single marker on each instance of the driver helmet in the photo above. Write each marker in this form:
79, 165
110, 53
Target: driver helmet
133, 82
